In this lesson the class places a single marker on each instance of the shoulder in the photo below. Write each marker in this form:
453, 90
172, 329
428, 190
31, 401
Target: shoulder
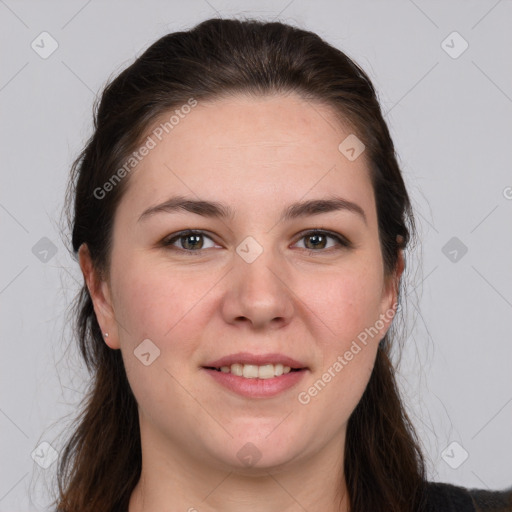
443, 497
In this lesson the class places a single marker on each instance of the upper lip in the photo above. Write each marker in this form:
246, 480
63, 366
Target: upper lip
256, 359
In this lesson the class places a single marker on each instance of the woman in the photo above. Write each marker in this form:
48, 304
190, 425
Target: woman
240, 220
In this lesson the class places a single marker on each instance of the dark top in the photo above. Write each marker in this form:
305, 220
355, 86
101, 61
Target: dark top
443, 497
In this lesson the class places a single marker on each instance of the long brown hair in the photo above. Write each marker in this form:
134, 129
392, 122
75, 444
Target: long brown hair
101, 461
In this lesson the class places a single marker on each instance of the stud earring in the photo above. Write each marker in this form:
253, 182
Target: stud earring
106, 335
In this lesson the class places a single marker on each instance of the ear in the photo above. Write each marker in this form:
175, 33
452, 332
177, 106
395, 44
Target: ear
390, 293
101, 297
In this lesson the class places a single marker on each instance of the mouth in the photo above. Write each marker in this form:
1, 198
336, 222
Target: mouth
256, 366
256, 375
253, 371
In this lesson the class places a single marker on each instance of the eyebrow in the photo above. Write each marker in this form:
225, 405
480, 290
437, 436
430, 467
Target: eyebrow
214, 209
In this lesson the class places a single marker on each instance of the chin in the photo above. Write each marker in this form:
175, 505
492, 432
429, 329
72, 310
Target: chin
259, 456
262, 467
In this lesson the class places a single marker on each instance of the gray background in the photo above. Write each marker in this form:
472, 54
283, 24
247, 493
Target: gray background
451, 121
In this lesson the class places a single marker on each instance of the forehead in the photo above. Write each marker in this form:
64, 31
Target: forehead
248, 150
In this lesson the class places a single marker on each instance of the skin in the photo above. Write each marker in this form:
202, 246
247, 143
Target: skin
256, 155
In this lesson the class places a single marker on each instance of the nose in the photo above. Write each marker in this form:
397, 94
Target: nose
259, 293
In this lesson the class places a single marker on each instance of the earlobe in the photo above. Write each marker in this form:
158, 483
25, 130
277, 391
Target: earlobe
101, 298
400, 266
395, 284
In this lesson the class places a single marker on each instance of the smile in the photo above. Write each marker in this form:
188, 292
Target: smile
252, 371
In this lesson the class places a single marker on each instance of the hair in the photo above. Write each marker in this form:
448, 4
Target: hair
101, 460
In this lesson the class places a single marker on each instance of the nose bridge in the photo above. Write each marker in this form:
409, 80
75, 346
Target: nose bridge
258, 291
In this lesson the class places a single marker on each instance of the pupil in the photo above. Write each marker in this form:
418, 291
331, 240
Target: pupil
188, 238
316, 237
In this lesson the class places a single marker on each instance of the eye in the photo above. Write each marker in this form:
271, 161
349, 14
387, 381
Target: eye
189, 241
316, 240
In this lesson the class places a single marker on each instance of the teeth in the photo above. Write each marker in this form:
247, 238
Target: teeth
237, 369
252, 371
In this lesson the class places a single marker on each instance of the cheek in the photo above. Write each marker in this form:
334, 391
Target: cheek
349, 307
157, 304
346, 302
155, 301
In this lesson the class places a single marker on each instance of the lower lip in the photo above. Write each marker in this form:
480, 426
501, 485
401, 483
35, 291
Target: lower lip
257, 388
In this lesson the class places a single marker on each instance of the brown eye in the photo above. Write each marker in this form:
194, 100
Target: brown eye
317, 240
188, 241
191, 241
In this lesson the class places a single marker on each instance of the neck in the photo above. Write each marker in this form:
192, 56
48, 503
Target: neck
170, 480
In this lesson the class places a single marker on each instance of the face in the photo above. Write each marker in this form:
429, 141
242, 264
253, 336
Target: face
267, 283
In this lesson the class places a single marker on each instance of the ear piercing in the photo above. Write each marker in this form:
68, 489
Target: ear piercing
105, 334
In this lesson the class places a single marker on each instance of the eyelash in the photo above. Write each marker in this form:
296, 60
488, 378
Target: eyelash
340, 240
